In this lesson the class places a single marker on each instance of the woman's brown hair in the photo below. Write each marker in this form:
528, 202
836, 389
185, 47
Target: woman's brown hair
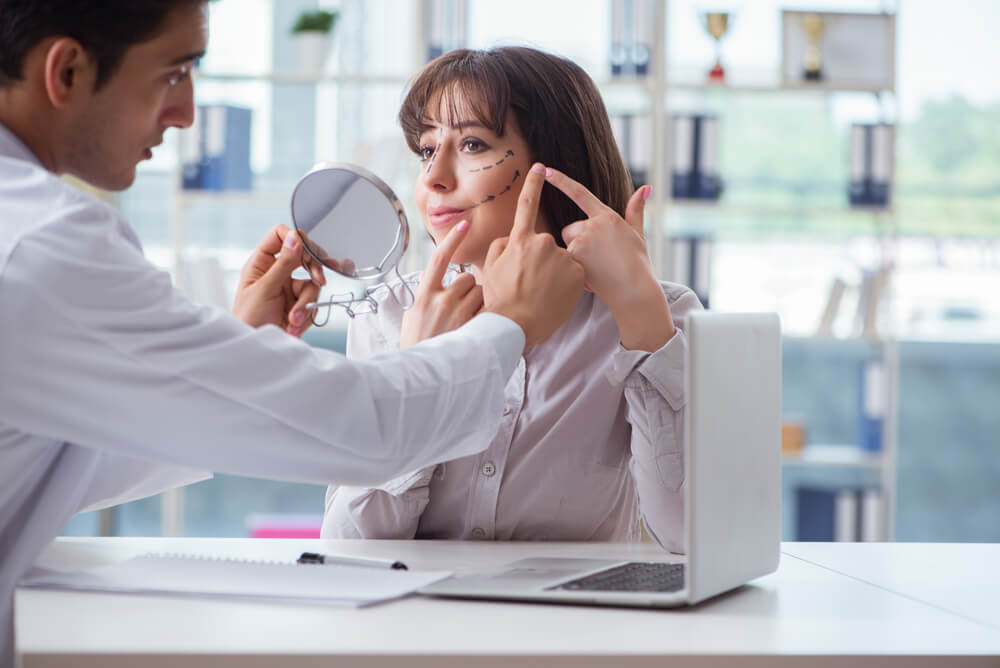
557, 107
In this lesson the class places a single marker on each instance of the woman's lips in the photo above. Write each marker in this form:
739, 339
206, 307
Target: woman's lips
444, 215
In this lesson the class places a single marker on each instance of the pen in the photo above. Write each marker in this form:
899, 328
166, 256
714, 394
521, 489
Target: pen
317, 558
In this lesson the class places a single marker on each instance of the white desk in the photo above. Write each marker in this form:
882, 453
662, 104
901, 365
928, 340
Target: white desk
804, 614
961, 578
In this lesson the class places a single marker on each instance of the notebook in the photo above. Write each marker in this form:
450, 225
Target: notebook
189, 575
732, 489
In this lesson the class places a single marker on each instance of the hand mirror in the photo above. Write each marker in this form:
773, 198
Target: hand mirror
353, 229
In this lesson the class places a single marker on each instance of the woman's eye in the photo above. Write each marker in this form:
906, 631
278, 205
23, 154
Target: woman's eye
473, 146
425, 153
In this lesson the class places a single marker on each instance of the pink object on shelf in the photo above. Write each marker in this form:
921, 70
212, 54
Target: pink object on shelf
284, 526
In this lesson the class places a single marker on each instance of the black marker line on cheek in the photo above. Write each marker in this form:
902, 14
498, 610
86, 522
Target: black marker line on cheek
490, 198
508, 154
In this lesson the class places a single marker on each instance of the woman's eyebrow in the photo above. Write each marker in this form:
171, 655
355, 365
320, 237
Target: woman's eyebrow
431, 123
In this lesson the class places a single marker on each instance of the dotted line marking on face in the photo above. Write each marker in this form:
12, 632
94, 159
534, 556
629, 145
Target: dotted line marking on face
490, 198
437, 150
508, 154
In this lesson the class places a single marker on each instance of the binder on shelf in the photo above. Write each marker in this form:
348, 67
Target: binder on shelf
833, 300
640, 139
871, 404
444, 27
870, 164
691, 263
632, 27
435, 25
216, 149
838, 514
633, 136
618, 54
873, 527
643, 24
869, 294
846, 506
694, 171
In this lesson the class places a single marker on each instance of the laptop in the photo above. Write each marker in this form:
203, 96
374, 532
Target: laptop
732, 487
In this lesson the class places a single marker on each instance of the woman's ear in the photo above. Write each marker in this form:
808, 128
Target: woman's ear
68, 71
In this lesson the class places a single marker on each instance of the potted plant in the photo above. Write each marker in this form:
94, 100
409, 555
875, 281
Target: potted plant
311, 36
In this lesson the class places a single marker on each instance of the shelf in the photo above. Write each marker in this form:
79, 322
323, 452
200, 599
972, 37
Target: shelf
292, 77
768, 86
774, 210
834, 456
233, 197
832, 467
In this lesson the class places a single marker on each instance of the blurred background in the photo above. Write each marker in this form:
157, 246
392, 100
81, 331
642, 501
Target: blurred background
838, 164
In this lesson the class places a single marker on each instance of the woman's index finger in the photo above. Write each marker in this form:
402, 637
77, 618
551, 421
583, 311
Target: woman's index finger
441, 257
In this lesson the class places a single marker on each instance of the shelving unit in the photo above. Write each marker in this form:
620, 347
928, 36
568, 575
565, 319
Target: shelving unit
653, 95
841, 466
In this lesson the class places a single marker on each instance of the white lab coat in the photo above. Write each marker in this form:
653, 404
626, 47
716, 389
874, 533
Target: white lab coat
113, 386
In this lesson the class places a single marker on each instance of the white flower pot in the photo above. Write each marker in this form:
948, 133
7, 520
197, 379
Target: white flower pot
312, 49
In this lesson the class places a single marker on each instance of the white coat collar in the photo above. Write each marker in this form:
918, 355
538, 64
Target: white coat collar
12, 147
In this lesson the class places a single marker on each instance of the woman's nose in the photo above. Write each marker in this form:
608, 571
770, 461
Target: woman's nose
439, 173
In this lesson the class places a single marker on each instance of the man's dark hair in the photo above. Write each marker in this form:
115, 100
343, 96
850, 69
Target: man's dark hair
105, 29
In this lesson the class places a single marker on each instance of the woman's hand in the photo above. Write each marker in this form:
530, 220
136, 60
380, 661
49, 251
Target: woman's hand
437, 309
616, 264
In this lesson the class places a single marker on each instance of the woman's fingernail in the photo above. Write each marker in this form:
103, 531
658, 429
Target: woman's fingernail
538, 168
297, 317
463, 226
291, 241
645, 195
548, 172
294, 331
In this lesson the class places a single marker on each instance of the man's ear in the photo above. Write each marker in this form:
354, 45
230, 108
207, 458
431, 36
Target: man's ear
69, 71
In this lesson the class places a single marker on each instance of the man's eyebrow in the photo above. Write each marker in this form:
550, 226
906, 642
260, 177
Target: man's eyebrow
195, 55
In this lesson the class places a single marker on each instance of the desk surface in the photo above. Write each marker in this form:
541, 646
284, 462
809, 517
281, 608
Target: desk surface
811, 611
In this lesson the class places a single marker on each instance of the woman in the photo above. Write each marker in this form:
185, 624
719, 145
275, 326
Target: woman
593, 423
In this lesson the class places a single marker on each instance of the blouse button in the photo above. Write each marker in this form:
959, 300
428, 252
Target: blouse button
507, 410
489, 469
478, 533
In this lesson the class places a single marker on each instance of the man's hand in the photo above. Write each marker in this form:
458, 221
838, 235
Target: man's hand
267, 293
437, 309
527, 277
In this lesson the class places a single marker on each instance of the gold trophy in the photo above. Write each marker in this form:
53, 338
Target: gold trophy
813, 25
717, 23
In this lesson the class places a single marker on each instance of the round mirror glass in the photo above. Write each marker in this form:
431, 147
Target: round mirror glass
353, 226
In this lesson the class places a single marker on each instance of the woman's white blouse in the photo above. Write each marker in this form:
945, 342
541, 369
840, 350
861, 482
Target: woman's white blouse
590, 440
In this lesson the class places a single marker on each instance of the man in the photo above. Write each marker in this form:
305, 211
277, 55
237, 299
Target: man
114, 386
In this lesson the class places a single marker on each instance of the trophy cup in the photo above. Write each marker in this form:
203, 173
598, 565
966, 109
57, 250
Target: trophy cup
717, 23
813, 25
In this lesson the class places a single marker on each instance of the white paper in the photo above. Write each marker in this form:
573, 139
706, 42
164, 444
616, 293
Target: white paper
197, 576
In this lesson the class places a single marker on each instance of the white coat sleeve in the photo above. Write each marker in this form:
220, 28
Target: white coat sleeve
111, 357
654, 397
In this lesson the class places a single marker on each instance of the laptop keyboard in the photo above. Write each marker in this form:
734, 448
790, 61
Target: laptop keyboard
633, 576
